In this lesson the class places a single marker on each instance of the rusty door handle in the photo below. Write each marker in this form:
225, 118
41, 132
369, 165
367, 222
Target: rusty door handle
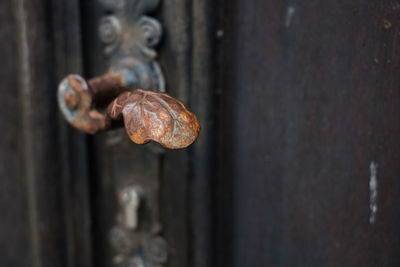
147, 115
109, 101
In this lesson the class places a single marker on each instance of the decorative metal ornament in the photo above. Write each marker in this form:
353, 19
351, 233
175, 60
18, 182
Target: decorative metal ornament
131, 93
129, 37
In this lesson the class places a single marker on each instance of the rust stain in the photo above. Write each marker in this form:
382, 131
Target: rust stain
79, 100
76, 85
71, 99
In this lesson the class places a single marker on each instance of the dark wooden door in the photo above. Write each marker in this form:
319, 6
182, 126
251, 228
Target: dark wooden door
296, 163
44, 199
310, 133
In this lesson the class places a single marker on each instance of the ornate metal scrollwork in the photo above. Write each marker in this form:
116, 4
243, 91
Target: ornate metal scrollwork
130, 37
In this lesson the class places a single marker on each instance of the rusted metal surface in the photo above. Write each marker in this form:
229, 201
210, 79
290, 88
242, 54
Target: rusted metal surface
130, 43
148, 115
76, 102
106, 87
155, 116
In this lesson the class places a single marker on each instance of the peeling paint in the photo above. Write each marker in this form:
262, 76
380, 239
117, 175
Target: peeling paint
373, 192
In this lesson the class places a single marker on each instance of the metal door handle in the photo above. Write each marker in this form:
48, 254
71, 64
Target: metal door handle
129, 37
147, 115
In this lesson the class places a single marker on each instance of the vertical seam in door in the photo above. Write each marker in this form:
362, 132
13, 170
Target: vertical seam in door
25, 94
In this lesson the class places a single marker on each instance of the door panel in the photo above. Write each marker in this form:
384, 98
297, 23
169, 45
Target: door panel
311, 93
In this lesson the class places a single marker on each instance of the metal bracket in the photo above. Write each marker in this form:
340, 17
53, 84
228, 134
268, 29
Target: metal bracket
129, 37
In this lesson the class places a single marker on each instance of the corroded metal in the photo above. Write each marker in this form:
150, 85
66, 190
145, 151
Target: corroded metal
147, 115
76, 103
132, 93
129, 37
155, 116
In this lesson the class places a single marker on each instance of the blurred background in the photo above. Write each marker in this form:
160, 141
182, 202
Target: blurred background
297, 163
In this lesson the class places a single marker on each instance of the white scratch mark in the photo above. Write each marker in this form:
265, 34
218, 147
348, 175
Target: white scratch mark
289, 16
373, 192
